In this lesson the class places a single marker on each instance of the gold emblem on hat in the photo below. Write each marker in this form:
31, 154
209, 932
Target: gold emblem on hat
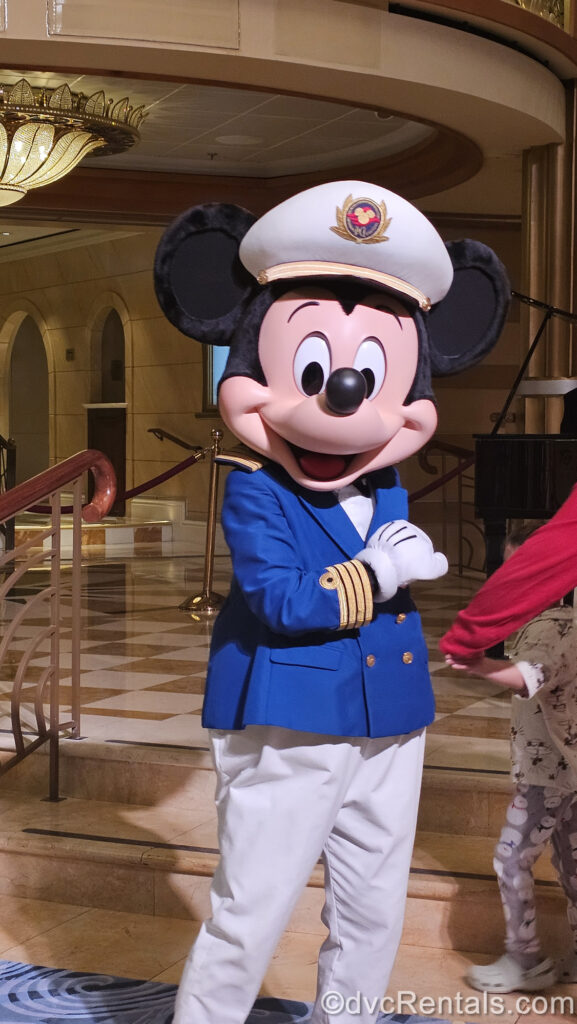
362, 220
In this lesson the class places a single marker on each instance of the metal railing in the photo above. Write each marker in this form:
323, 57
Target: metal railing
163, 435
464, 483
32, 613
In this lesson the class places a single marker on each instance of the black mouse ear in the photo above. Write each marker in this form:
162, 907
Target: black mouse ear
200, 283
465, 325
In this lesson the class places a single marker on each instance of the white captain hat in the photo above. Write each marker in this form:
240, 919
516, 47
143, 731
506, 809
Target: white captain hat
352, 229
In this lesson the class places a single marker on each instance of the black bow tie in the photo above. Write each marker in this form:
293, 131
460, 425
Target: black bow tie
363, 485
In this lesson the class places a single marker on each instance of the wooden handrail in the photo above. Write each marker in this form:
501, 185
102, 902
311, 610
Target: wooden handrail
441, 447
451, 449
19, 498
437, 484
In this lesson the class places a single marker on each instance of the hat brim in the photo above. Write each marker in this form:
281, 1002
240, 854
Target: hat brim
317, 268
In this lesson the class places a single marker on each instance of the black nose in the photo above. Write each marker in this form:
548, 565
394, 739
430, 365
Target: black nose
345, 390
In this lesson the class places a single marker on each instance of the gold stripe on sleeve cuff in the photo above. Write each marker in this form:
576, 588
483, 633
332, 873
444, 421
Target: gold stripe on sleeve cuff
331, 580
352, 584
363, 590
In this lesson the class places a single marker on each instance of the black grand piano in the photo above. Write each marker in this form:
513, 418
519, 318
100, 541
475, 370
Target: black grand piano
520, 476
525, 476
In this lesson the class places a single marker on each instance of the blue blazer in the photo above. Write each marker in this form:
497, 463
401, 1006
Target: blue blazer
278, 656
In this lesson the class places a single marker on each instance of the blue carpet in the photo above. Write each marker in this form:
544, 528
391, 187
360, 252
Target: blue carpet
46, 995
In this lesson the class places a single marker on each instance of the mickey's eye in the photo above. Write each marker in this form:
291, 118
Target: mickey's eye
312, 364
371, 361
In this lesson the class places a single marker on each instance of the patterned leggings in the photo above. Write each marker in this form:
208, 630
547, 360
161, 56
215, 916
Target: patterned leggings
536, 815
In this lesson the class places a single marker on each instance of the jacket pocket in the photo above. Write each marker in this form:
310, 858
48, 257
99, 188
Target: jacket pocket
307, 657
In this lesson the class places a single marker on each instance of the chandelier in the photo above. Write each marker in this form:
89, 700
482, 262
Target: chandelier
44, 133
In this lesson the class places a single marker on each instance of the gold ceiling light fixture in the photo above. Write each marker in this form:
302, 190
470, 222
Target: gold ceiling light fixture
45, 133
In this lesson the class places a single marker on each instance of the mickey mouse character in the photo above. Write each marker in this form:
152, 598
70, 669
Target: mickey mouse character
338, 305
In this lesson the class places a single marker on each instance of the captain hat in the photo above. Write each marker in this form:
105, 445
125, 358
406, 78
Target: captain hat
351, 229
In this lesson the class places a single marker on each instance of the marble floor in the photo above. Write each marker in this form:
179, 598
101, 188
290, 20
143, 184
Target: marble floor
143, 666
143, 660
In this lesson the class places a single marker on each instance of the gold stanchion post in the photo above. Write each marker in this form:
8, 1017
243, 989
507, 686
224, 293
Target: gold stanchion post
208, 603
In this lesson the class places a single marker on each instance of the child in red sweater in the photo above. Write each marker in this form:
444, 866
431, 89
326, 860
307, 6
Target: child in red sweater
542, 674
541, 572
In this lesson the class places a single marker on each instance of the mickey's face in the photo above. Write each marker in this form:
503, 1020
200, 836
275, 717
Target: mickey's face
337, 377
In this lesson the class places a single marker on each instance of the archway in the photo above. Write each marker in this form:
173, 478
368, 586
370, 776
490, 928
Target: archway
106, 417
29, 401
112, 359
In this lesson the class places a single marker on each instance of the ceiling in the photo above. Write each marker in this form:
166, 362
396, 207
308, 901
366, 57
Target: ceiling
255, 147
209, 129
213, 130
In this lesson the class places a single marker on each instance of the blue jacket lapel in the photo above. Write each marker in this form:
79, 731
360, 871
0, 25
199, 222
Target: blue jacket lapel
391, 499
324, 507
390, 503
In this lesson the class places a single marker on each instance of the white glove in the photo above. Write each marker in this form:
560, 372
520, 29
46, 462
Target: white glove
398, 553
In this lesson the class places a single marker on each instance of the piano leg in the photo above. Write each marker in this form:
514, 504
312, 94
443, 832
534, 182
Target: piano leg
495, 533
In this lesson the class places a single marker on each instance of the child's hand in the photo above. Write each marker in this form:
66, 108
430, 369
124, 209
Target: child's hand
471, 667
504, 673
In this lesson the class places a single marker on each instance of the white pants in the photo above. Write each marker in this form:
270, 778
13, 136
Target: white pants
285, 799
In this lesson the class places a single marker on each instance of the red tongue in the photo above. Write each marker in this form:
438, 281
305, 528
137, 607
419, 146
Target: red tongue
322, 467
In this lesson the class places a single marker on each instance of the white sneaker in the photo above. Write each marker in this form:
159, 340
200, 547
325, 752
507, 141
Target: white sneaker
506, 975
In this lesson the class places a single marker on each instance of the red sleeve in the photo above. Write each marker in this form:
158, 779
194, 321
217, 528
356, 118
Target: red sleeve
540, 573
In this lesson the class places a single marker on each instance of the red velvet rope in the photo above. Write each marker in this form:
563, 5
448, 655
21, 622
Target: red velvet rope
66, 509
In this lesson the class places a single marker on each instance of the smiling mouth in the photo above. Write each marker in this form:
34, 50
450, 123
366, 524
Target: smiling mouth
319, 466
